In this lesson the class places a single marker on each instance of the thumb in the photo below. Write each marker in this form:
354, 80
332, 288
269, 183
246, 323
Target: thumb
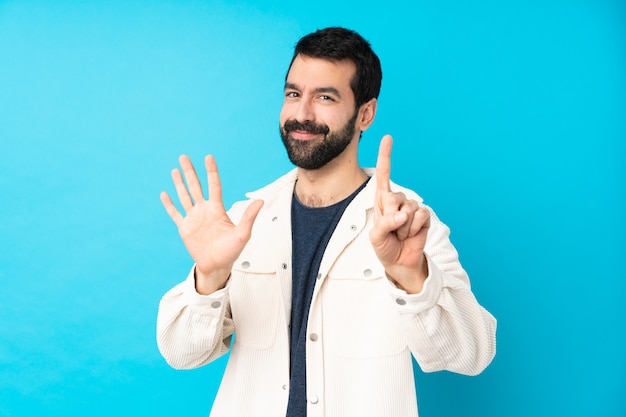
248, 218
385, 225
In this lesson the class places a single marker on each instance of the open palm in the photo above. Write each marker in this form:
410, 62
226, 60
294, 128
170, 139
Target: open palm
213, 241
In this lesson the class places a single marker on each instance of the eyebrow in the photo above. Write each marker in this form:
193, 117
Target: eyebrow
331, 90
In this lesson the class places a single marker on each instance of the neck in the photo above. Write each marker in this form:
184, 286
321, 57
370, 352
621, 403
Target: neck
330, 184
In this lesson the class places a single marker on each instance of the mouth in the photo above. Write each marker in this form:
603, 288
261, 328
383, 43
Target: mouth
304, 131
303, 135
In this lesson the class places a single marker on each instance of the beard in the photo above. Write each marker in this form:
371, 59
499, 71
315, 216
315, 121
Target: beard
316, 153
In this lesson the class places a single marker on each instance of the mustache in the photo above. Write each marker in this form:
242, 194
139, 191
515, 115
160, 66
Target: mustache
309, 127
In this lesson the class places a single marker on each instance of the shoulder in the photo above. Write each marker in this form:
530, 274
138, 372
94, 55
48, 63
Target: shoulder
287, 181
271, 193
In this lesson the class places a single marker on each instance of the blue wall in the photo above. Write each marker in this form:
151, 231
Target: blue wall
509, 119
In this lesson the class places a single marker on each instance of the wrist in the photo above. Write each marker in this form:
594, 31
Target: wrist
208, 282
410, 280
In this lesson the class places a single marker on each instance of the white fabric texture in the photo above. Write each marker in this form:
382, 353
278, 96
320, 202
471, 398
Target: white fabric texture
362, 329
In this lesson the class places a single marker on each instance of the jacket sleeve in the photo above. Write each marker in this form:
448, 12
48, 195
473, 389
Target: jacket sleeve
446, 327
193, 329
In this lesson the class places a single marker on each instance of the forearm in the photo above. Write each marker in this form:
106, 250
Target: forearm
447, 329
446, 326
193, 329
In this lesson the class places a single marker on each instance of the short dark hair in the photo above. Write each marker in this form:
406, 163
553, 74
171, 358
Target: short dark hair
338, 44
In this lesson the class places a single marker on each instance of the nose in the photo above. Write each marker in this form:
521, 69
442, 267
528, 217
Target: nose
304, 112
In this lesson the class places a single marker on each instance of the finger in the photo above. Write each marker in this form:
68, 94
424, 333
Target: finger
410, 207
248, 218
170, 208
390, 202
195, 188
181, 190
421, 221
383, 165
213, 177
386, 225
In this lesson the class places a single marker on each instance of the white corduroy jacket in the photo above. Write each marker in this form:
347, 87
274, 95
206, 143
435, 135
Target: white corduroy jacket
362, 329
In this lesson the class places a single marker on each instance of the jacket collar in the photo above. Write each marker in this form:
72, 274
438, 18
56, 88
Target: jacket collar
288, 181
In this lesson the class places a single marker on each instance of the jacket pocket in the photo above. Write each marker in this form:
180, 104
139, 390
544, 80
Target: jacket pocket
255, 304
360, 319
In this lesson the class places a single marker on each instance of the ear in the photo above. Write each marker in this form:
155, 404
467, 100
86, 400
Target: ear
367, 112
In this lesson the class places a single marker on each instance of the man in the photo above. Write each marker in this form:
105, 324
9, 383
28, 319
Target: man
330, 277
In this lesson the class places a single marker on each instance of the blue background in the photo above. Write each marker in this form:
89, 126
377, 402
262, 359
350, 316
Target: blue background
509, 118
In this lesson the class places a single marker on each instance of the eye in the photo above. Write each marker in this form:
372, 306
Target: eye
325, 97
292, 94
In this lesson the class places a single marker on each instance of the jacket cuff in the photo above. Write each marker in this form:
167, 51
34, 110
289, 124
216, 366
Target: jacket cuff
425, 299
211, 304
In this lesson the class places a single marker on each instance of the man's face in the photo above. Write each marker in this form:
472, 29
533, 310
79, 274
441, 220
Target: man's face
317, 120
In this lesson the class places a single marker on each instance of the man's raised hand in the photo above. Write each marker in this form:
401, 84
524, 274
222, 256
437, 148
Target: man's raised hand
211, 238
400, 228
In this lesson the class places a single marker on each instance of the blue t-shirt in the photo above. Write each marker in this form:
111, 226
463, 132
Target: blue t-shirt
311, 229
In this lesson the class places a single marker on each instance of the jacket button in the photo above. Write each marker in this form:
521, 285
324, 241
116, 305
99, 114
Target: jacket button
367, 272
401, 301
284, 387
245, 264
284, 266
216, 304
353, 227
313, 337
275, 218
314, 399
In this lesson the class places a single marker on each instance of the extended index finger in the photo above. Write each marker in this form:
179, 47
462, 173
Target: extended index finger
383, 165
